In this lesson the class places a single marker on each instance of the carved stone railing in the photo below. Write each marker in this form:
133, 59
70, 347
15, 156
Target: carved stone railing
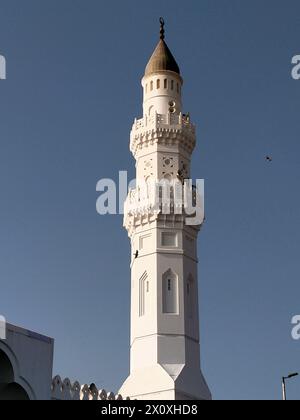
156, 121
67, 391
169, 129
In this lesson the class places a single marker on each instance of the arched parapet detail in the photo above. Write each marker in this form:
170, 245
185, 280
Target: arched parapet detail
76, 391
111, 396
85, 393
102, 395
56, 388
67, 390
94, 392
64, 390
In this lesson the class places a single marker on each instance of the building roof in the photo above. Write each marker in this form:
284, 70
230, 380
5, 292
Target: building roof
162, 59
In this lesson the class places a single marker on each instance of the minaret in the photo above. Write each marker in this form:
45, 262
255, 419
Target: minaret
165, 350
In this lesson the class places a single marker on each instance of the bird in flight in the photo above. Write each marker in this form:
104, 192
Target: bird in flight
269, 159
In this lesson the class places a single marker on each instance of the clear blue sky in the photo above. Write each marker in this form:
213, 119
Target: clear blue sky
66, 109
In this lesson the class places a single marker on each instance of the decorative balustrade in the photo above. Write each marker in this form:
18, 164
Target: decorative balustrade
155, 121
66, 391
175, 129
162, 197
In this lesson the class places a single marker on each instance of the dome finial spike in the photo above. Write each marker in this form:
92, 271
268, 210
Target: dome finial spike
162, 28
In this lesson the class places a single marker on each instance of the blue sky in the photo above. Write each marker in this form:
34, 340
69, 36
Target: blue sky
66, 109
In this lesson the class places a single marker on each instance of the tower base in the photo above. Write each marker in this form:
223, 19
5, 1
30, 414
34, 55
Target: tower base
171, 382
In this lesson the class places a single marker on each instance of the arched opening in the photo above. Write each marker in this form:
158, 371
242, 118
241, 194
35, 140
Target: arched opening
6, 369
9, 389
13, 392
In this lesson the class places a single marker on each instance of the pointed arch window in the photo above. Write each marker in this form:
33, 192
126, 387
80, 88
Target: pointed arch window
170, 293
143, 290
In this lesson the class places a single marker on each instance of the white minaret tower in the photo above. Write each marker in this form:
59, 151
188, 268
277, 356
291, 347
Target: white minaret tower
165, 351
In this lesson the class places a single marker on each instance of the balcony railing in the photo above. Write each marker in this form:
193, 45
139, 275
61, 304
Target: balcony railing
155, 121
157, 198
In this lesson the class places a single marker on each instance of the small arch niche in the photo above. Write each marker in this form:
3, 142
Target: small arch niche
170, 293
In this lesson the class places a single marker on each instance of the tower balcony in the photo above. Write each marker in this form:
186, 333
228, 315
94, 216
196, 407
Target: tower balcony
144, 205
155, 121
176, 128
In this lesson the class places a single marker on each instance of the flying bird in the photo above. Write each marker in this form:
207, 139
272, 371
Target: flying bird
269, 159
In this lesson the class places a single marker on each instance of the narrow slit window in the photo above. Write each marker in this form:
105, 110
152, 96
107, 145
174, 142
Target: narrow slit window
158, 83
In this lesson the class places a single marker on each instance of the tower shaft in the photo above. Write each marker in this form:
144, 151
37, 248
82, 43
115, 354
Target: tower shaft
165, 349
